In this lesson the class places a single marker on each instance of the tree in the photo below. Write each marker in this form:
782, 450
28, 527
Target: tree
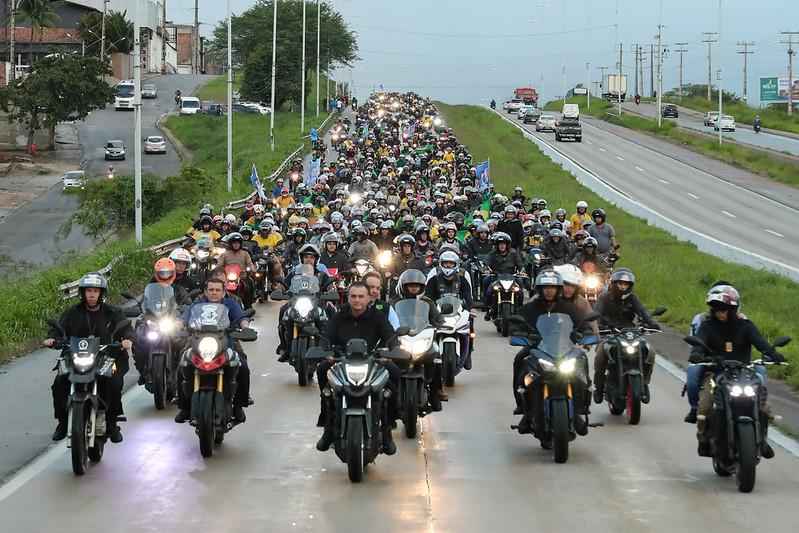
60, 87
40, 15
118, 32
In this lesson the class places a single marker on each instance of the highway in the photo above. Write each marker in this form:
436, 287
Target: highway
693, 198
467, 471
743, 133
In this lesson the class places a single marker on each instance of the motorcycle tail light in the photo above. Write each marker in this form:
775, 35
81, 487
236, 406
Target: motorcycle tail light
213, 364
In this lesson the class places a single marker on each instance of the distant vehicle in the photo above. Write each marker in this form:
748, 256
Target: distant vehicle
74, 179
261, 108
568, 128
114, 150
149, 91
545, 123
124, 97
241, 108
513, 105
710, 118
524, 109
527, 95
616, 88
189, 105
532, 116
726, 123
154, 144
571, 111
215, 109
670, 110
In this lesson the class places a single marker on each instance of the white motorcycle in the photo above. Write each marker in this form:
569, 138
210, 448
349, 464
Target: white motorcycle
454, 337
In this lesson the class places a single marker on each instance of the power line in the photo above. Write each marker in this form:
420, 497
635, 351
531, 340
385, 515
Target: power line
681, 50
710, 38
791, 53
484, 35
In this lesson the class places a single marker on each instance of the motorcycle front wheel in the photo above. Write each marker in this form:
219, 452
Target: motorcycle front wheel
79, 440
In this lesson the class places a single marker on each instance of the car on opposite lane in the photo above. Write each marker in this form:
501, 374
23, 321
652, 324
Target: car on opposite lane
115, 149
241, 108
546, 123
189, 105
154, 144
74, 179
670, 111
149, 91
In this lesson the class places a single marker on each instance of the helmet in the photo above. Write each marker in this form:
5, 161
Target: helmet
570, 274
297, 231
411, 277
723, 297
623, 274
548, 278
580, 235
501, 236
205, 212
560, 213
206, 219
217, 219
544, 213
258, 209
582, 204
165, 271
265, 225
230, 219
387, 224
542, 203
309, 249
245, 229
406, 239
331, 237
590, 241
599, 212
448, 257
510, 209
93, 280
482, 228
555, 232
235, 236
179, 254
517, 189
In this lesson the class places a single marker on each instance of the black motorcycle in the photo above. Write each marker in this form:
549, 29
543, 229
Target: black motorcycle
209, 353
84, 361
508, 290
357, 383
735, 425
478, 269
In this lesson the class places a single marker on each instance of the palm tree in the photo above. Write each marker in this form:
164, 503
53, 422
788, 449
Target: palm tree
40, 14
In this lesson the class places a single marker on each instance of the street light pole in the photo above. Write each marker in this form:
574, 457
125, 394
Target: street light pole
302, 87
12, 39
230, 100
318, 35
588, 86
137, 134
274, 73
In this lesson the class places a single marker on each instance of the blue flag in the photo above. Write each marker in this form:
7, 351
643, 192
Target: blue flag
313, 172
314, 135
256, 182
484, 180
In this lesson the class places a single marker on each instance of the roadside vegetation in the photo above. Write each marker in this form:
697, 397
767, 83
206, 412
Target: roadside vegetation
750, 159
670, 272
216, 89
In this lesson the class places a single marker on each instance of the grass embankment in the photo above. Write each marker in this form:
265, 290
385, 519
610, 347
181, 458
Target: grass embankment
216, 89
34, 299
771, 117
750, 159
670, 272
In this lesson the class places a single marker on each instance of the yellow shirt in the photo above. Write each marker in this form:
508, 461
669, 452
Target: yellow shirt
284, 201
212, 235
449, 157
577, 221
270, 241
321, 212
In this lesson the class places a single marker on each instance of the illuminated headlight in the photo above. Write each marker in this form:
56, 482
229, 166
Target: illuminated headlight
749, 390
83, 361
380, 113
505, 284
392, 207
193, 266
418, 345
630, 347
303, 306
567, 366
356, 374
152, 335
395, 105
295, 176
202, 254
355, 198
384, 258
437, 121
232, 277
166, 325
736, 391
208, 348
592, 282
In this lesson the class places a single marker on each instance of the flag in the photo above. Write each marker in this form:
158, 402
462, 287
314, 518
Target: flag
314, 135
484, 180
410, 130
313, 172
256, 183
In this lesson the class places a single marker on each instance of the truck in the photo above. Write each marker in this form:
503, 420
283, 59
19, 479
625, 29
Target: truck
124, 95
616, 88
528, 95
568, 128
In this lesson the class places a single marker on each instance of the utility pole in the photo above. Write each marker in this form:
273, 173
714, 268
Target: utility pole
681, 51
195, 63
588, 85
163, 37
641, 60
137, 187
791, 52
710, 38
745, 52
660, 74
302, 90
651, 70
274, 76
11, 39
603, 88
230, 99
318, 35
619, 83
102, 35
635, 51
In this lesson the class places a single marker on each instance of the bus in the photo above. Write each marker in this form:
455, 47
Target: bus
124, 98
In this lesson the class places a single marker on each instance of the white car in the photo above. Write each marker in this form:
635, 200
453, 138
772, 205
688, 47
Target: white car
546, 123
262, 109
189, 105
154, 144
523, 110
710, 118
514, 105
726, 123
74, 179
149, 91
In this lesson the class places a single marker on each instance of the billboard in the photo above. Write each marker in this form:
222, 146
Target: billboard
774, 90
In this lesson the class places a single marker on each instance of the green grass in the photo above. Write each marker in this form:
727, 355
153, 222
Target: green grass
216, 89
771, 117
670, 272
752, 160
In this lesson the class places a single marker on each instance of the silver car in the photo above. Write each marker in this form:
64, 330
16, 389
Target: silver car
74, 179
154, 144
149, 91
114, 150
545, 123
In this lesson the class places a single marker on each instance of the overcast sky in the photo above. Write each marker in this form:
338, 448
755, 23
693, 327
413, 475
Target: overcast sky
468, 51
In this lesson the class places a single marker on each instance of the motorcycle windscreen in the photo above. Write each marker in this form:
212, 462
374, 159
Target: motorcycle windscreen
452, 300
158, 299
208, 315
413, 313
304, 280
555, 330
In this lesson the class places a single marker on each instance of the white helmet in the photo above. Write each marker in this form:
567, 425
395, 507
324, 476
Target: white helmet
179, 254
570, 274
582, 204
230, 218
449, 257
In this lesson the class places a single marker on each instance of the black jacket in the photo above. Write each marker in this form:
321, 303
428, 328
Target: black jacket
77, 321
372, 326
559, 252
439, 286
401, 263
537, 307
475, 247
339, 260
514, 229
732, 340
621, 313
508, 263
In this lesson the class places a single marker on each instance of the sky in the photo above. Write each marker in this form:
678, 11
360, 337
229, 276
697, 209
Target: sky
470, 51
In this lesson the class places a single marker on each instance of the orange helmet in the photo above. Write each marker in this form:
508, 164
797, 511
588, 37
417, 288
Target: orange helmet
165, 271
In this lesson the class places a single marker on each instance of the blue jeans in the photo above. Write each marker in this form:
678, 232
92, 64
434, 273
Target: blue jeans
695, 374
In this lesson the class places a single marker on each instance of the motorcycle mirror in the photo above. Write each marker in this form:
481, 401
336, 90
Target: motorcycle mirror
244, 335
781, 341
132, 312
278, 295
446, 309
696, 341
128, 296
659, 311
56, 326
589, 340
357, 347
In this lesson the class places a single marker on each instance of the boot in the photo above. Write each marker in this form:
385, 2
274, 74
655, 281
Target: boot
690, 418
766, 451
323, 444
599, 393
60, 432
238, 414
581, 425
645, 396
114, 433
442, 395
183, 416
283, 353
389, 448
467, 364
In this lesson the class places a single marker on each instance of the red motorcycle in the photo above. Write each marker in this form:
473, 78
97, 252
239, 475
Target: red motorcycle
236, 285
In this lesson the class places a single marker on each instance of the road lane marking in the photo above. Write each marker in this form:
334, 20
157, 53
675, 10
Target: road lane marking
639, 169
695, 197
620, 158
728, 214
589, 142
602, 149
664, 182
780, 235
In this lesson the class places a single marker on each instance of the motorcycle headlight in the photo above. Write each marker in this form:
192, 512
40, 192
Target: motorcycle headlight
437, 121
303, 306
749, 390
736, 391
166, 325
355, 198
546, 365
567, 366
202, 254
83, 361
592, 282
232, 277
356, 374
417, 345
152, 335
505, 284
630, 347
208, 348
384, 258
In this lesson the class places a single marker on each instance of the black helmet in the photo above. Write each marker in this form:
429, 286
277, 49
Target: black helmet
501, 236
598, 212
206, 219
622, 274
411, 277
298, 231
406, 239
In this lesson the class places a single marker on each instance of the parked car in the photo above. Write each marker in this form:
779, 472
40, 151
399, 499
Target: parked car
532, 116
74, 179
568, 128
154, 144
114, 150
241, 108
670, 111
710, 118
149, 91
189, 105
726, 123
261, 108
545, 123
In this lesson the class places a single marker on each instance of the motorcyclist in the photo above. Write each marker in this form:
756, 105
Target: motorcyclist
730, 336
332, 256
603, 232
93, 317
449, 239
556, 247
183, 276
363, 247
205, 231
479, 246
756, 123
449, 279
518, 195
291, 255
511, 225
385, 239
619, 308
503, 260
424, 245
237, 255
493, 104
406, 258
588, 260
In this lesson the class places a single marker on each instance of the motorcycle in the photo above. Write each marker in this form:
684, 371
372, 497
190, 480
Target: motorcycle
341, 284
508, 299
454, 337
478, 269
627, 350
209, 353
204, 262
237, 285
420, 382
85, 362
357, 382
551, 387
735, 425
263, 283
593, 286
154, 333
385, 260
756, 127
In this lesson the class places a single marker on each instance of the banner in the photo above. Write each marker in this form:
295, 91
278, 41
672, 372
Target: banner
313, 172
256, 183
483, 177
774, 90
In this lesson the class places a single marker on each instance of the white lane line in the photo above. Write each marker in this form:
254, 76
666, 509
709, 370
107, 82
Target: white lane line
780, 235
602, 149
695, 197
728, 214
620, 158
639, 169
664, 182
589, 142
